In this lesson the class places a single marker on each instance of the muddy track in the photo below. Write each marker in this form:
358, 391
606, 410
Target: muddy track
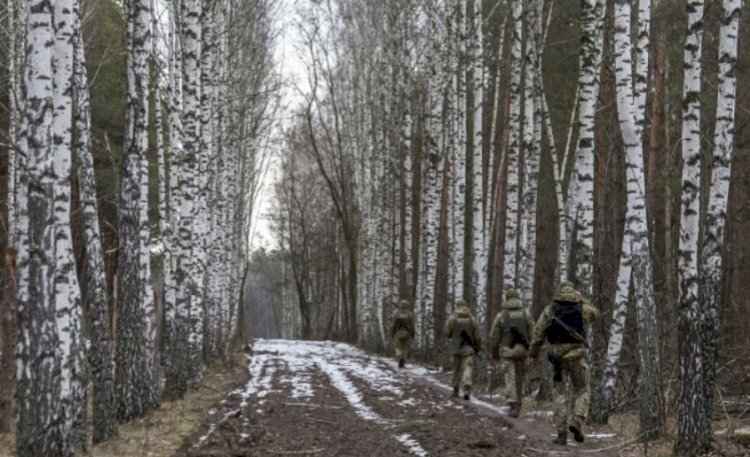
331, 399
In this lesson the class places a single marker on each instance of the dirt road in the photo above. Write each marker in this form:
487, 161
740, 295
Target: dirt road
331, 399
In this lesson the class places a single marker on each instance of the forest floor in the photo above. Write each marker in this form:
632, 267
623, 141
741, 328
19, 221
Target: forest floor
331, 399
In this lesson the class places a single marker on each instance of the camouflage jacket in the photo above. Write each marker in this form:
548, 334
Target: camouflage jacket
569, 351
458, 344
497, 350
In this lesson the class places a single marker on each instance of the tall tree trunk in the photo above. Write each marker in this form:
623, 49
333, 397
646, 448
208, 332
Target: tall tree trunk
510, 275
13, 117
581, 194
96, 299
479, 237
67, 291
692, 411
531, 148
170, 344
459, 210
712, 245
38, 425
580, 202
635, 257
135, 382
8, 302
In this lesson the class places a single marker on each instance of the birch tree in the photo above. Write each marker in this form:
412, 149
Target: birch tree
510, 276
712, 244
50, 375
38, 428
479, 240
692, 411
135, 383
581, 192
531, 148
635, 257
96, 300
459, 151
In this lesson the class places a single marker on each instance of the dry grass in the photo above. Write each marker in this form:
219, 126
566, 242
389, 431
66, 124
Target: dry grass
161, 432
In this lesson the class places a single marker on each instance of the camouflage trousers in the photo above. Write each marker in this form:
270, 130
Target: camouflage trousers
514, 375
574, 376
402, 347
463, 365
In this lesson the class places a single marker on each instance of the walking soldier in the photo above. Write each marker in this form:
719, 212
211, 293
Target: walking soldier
509, 341
462, 332
402, 331
562, 324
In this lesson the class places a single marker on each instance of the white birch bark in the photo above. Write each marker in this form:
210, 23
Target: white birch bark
558, 170
479, 238
38, 417
135, 384
96, 299
712, 244
13, 119
692, 412
67, 292
174, 161
635, 258
531, 149
581, 199
188, 302
510, 273
458, 210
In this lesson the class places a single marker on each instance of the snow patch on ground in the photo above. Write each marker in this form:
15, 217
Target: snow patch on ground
412, 445
352, 395
339, 362
408, 402
261, 379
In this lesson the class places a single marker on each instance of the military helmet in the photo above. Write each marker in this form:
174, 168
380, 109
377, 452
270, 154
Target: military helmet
511, 293
403, 304
567, 293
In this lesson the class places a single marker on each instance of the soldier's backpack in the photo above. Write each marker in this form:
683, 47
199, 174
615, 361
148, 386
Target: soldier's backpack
403, 325
515, 329
462, 335
571, 315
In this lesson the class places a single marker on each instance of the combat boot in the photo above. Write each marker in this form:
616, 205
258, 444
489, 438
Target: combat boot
562, 438
515, 408
401, 362
575, 429
455, 391
467, 392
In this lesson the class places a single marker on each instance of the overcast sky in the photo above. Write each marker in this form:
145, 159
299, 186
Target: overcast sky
288, 62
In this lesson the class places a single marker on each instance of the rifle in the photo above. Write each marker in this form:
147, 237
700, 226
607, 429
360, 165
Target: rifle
572, 332
466, 339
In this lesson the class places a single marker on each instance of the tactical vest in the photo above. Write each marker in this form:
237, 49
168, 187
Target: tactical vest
570, 314
515, 329
462, 334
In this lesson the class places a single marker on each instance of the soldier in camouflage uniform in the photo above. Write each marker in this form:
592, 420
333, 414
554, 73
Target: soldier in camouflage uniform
562, 324
509, 341
402, 331
462, 332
